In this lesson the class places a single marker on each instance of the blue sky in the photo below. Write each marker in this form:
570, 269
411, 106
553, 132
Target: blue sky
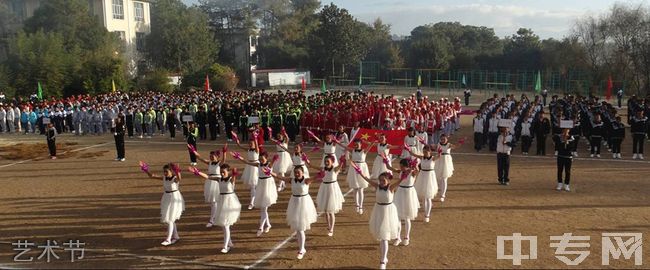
547, 18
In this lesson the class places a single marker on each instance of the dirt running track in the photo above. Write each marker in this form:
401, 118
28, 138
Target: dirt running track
114, 209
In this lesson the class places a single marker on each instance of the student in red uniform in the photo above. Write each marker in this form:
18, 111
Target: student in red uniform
305, 124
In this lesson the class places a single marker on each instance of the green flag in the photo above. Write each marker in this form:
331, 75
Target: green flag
322, 87
39, 94
538, 83
419, 80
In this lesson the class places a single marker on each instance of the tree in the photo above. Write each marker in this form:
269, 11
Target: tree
156, 80
339, 40
523, 50
180, 38
381, 47
428, 48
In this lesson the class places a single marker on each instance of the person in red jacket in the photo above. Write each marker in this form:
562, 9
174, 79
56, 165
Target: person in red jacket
305, 124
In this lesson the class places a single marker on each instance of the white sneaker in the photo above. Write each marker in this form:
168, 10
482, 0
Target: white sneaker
360, 211
598, 155
406, 242
426, 219
397, 242
575, 154
123, 159
619, 156
640, 156
635, 156
301, 254
614, 156
555, 153
166, 243
209, 225
225, 250
566, 187
592, 155
559, 187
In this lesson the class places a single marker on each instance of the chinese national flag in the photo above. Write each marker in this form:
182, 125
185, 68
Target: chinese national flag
610, 85
393, 137
303, 84
206, 86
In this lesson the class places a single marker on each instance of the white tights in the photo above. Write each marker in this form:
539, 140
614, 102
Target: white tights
383, 245
227, 241
407, 225
213, 212
264, 218
427, 207
172, 232
331, 219
358, 197
442, 187
253, 194
301, 240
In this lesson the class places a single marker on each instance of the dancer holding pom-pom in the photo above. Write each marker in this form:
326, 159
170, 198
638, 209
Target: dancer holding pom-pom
330, 198
211, 185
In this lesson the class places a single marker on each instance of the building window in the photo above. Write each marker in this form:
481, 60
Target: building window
118, 9
139, 41
139, 11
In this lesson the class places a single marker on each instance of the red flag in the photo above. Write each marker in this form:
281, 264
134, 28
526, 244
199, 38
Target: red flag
393, 137
207, 83
304, 84
610, 85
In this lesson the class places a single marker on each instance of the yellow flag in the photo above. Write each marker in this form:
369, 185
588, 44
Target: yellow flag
113, 83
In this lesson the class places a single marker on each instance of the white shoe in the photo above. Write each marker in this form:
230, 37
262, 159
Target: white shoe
426, 219
330, 233
619, 156
225, 250
635, 156
559, 187
209, 225
555, 153
166, 243
267, 229
406, 242
259, 232
397, 242
122, 160
250, 207
575, 154
598, 155
640, 156
382, 265
301, 254
360, 211
614, 156
566, 187
592, 155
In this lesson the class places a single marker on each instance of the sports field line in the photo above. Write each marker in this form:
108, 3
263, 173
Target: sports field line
281, 244
69, 151
553, 157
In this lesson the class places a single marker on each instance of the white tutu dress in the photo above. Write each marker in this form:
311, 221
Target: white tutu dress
354, 179
406, 199
330, 198
423, 136
297, 161
229, 207
426, 185
266, 192
412, 143
211, 186
301, 212
444, 164
329, 149
172, 204
378, 166
384, 222
251, 173
340, 150
283, 164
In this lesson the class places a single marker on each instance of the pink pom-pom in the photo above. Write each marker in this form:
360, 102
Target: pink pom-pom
144, 166
175, 168
320, 174
315, 149
191, 148
304, 158
461, 141
413, 162
439, 150
234, 136
275, 158
266, 170
342, 159
235, 172
224, 149
270, 130
195, 171
390, 175
358, 170
235, 155
421, 140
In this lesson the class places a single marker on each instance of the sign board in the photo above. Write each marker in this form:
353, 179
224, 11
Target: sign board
253, 120
46, 120
505, 123
566, 124
188, 118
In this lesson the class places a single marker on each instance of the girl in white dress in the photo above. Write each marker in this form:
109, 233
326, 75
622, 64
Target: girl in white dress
330, 198
355, 181
283, 165
384, 222
383, 150
266, 192
301, 212
329, 147
251, 172
410, 141
298, 158
426, 185
229, 207
343, 138
172, 204
406, 198
444, 167
211, 185
422, 137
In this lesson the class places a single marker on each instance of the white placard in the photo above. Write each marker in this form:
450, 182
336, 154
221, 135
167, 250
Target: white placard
566, 124
188, 118
505, 123
46, 120
253, 120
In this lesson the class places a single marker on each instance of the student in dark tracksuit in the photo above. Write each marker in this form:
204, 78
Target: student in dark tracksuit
118, 134
618, 135
51, 140
171, 124
504, 147
596, 137
639, 128
541, 129
192, 134
564, 143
